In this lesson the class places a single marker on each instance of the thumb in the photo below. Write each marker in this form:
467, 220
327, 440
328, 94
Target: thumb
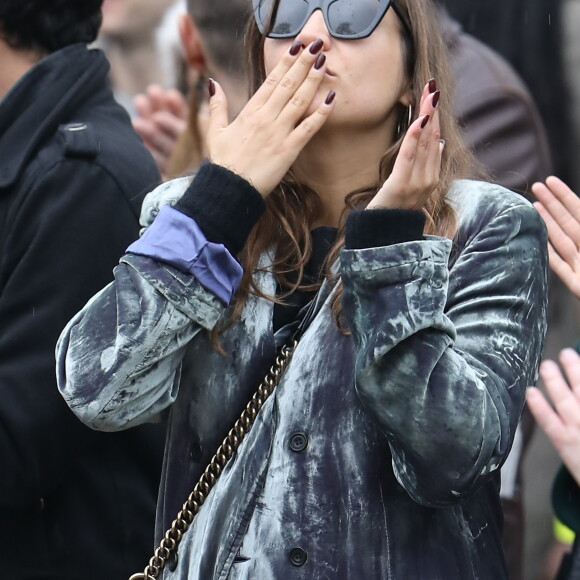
218, 109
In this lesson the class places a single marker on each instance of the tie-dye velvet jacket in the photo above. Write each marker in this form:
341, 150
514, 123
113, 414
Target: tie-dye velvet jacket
379, 454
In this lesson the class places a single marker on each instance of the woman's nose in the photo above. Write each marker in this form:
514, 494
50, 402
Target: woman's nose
314, 28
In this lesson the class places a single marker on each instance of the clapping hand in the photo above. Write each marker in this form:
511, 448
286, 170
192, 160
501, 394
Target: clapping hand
162, 118
562, 422
560, 208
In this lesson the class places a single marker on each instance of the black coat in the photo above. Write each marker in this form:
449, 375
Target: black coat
74, 504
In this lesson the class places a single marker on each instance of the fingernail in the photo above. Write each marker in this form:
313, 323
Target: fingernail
436, 96
296, 47
211, 87
330, 98
319, 63
424, 121
316, 46
432, 85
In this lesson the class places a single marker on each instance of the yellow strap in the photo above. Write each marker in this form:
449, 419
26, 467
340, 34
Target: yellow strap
563, 533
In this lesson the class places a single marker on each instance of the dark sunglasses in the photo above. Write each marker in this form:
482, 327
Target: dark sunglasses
348, 19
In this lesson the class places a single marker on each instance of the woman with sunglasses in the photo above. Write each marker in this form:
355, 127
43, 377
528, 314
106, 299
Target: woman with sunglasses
330, 205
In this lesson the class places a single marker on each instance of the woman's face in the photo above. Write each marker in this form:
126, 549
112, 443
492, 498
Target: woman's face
367, 74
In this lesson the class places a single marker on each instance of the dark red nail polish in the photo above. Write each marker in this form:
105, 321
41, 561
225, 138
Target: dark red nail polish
296, 47
425, 121
432, 85
211, 87
436, 96
319, 63
330, 98
316, 46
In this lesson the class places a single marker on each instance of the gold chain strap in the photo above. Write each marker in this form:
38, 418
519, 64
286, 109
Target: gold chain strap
209, 478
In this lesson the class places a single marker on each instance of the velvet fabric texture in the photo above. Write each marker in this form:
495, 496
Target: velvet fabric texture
379, 454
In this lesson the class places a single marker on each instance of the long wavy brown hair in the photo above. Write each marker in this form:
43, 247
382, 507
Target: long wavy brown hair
293, 207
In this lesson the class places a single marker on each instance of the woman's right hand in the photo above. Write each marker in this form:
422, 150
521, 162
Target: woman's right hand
265, 139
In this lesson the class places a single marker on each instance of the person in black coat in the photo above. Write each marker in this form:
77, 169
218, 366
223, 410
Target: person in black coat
74, 504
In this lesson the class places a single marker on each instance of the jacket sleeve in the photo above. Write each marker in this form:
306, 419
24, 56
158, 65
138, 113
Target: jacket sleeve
68, 233
443, 357
118, 360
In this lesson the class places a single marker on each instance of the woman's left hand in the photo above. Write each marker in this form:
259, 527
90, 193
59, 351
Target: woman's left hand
416, 171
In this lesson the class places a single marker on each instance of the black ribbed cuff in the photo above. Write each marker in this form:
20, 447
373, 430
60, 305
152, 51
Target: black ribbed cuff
383, 227
224, 205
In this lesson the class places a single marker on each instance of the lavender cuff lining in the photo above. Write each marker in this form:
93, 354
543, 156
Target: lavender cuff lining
176, 239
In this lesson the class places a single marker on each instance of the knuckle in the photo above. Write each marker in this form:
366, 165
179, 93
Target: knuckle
214, 106
287, 83
308, 127
297, 101
305, 61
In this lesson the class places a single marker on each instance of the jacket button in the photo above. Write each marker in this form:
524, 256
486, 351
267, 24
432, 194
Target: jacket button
75, 127
298, 557
298, 442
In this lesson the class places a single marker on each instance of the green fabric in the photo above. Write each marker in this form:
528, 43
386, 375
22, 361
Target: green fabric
566, 499
566, 494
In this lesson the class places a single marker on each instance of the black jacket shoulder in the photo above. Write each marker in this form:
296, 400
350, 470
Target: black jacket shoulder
72, 176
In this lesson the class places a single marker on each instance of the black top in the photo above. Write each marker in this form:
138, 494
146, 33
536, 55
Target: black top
322, 240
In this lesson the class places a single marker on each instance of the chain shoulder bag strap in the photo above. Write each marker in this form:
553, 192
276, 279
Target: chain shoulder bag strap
230, 444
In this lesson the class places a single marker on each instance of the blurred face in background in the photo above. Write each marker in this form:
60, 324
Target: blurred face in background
130, 19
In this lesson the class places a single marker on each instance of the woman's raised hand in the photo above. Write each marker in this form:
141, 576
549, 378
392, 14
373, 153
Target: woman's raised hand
416, 171
265, 139
560, 208
561, 423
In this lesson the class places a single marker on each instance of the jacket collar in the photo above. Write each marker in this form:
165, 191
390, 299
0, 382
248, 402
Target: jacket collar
43, 99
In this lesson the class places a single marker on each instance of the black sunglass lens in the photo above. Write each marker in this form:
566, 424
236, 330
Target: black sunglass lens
289, 17
263, 14
353, 17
